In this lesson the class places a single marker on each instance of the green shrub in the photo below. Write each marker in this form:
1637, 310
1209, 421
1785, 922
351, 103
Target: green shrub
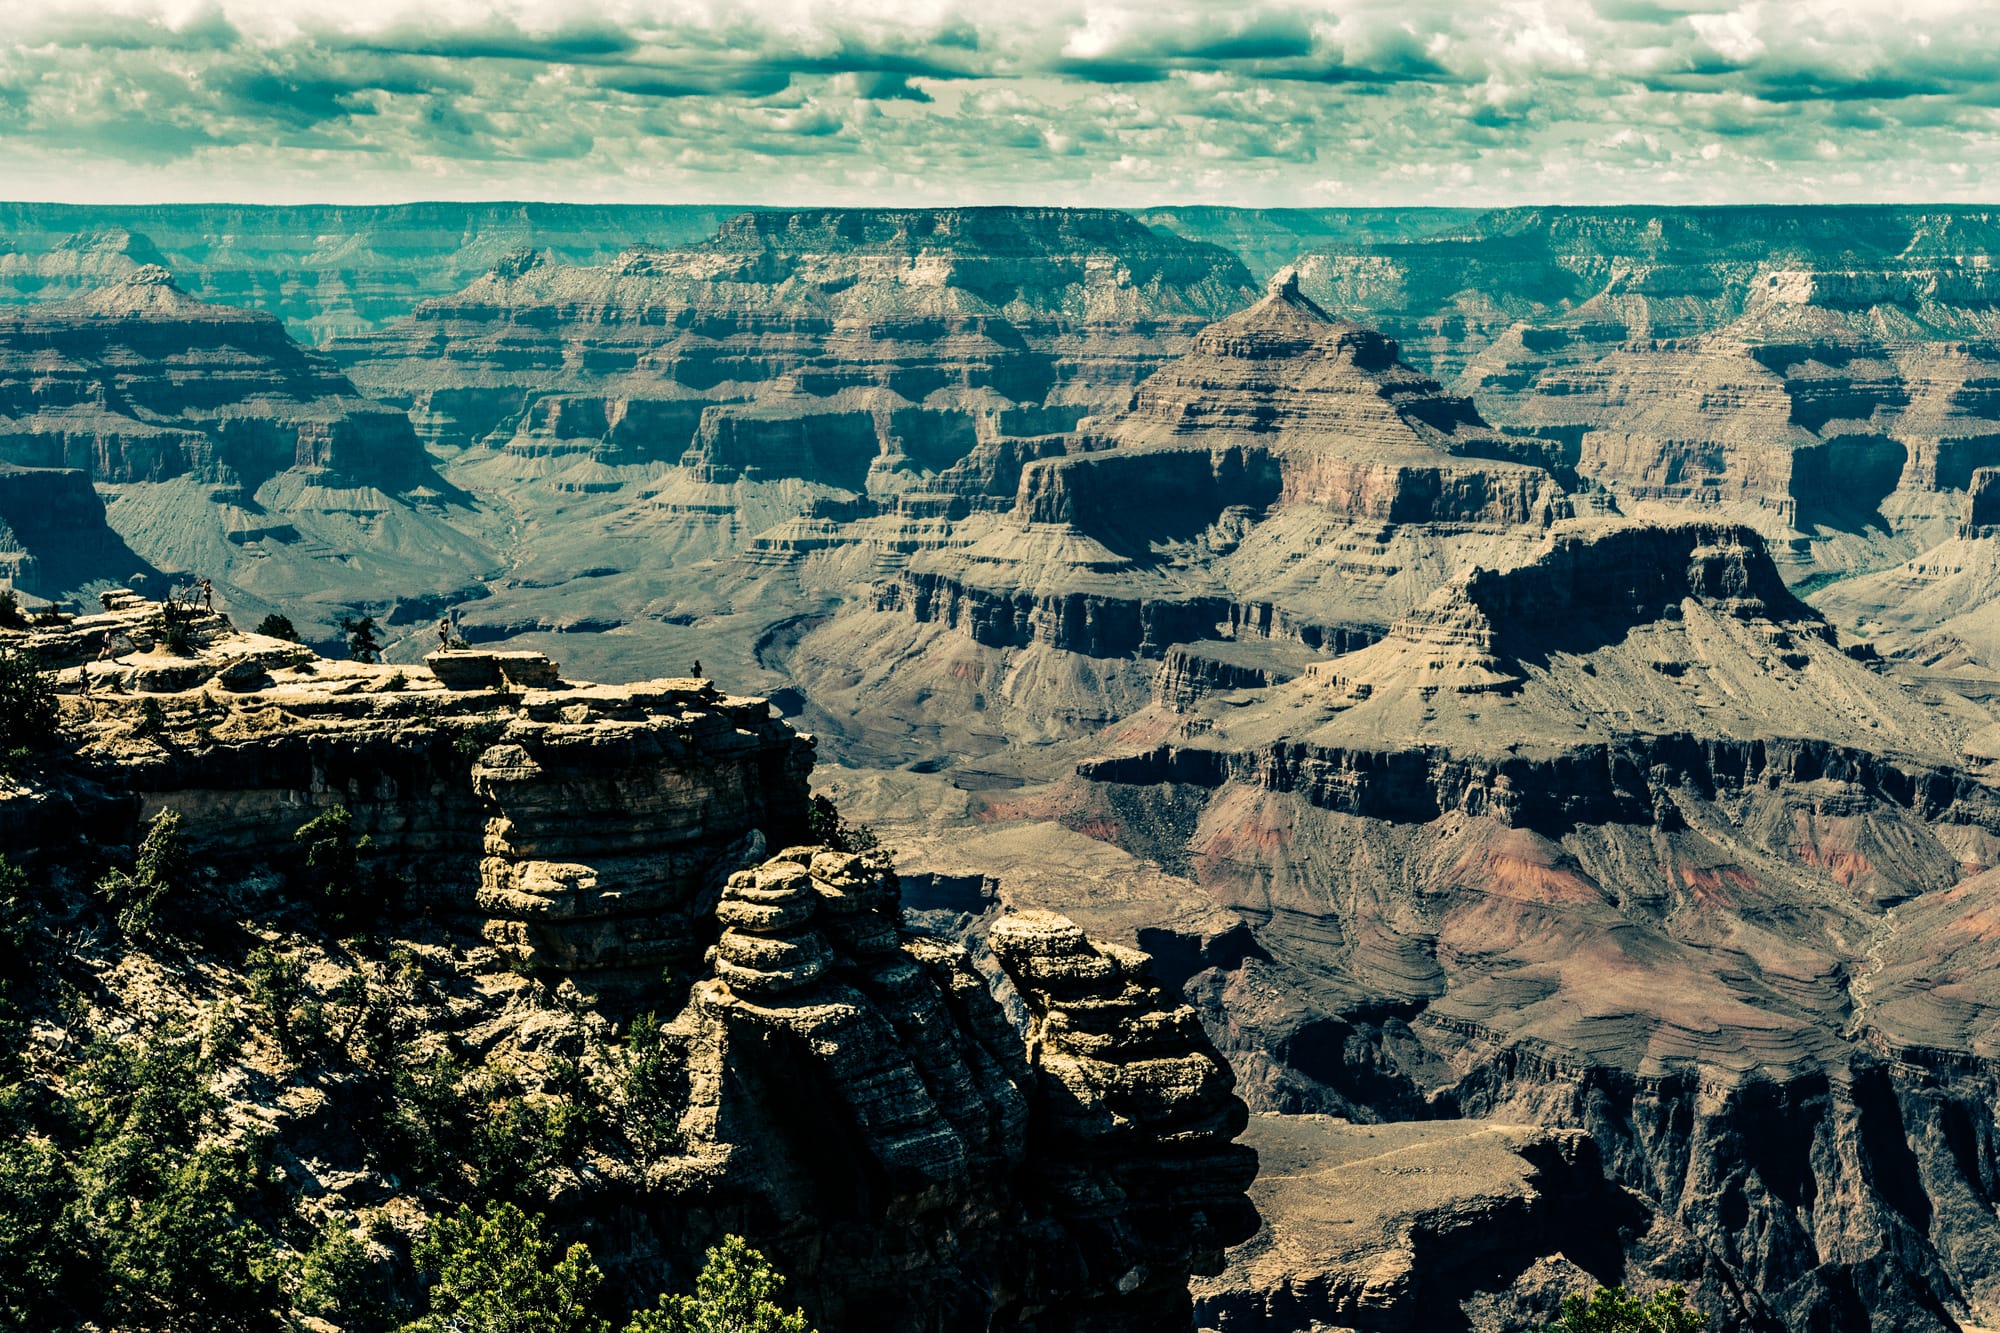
498, 1273
825, 826
737, 1292
338, 1281
30, 716
165, 1194
275, 626
424, 1122
1612, 1310
40, 1240
170, 626
333, 859
647, 1092
159, 867
10, 610
280, 998
362, 645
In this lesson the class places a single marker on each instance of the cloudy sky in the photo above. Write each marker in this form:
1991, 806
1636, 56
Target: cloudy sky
924, 101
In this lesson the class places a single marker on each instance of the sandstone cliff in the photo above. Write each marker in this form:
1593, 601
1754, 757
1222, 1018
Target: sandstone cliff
1617, 839
1046, 1144
1288, 480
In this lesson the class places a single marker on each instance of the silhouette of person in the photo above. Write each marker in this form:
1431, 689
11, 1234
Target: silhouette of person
697, 667
444, 633
207, 596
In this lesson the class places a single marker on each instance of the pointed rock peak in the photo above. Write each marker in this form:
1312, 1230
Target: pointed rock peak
152, 275
517, 263
1285, 304
148, 291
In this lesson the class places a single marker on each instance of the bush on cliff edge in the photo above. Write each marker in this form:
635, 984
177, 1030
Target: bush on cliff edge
1613, 1310
30, 717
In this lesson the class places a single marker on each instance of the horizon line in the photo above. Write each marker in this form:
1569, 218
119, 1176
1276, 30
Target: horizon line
503, 202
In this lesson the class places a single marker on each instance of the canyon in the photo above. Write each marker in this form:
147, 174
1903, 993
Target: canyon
1526, 680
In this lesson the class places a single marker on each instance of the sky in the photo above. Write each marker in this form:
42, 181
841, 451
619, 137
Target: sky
1125, 104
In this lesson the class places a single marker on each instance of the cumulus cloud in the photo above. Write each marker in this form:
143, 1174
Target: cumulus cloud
1077, 101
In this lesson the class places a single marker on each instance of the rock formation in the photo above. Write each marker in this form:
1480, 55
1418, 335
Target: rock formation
327, 271
811, 344
227, 450
137, 381
586, 826
850, 1095
53, 533
1288, 481
1082, 1178
1617, 839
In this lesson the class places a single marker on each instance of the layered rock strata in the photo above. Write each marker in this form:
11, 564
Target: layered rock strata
588, 826
54, 535
851, 1096
1617, 839
138, 381
804, 343
1288, 480
1082, 1176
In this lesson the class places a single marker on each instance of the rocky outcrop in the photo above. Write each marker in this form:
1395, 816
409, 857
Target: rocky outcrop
53, 533
806, 343
1081, 1177
587, 827
1415, 1225
138, 381
1288, 480
326, 270
1190, 674
1293, 406
853, 1097
1523, 860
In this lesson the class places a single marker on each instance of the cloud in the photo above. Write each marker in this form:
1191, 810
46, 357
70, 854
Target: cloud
1081, 101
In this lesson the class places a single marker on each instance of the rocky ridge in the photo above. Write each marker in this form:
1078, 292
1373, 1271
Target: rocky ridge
1063, 1169
226, 450
1288, 481
1617, 839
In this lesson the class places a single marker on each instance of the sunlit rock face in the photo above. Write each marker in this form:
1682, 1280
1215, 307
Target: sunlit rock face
811, 344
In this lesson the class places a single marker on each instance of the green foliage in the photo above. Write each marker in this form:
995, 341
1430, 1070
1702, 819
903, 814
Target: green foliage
170, 625
162, 1194
425, 1120
517, 1140
737, 1292
333, 857
17, 921
339, 1281
280, 998
39, 1236
645, 1092
362, 645
1613, 1310
30, 717
275, 626
159, 866
475, 739
498, 1273
825, 826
